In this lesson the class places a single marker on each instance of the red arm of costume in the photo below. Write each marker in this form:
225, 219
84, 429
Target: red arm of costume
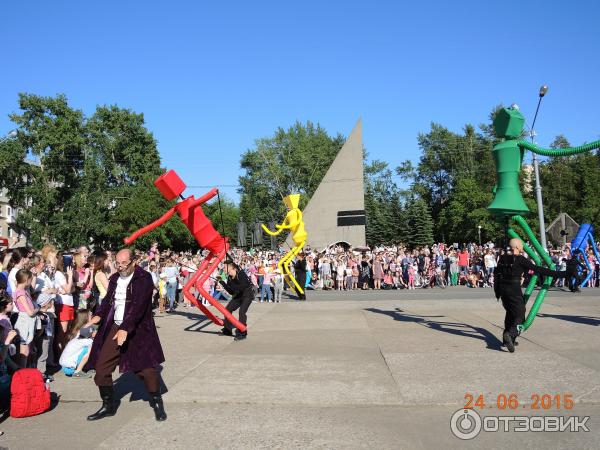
206, 197
150, 227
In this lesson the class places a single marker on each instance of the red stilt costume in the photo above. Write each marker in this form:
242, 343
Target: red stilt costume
190, 212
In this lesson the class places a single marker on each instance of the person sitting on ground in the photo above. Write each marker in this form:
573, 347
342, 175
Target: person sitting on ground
471, 279
76, 352
315, 283
388, 281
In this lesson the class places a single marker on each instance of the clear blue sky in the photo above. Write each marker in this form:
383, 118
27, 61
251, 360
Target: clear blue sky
210, 78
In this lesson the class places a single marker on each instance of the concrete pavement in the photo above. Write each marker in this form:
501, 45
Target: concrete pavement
344, 370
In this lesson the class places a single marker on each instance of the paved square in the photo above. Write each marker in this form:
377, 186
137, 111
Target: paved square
344, 370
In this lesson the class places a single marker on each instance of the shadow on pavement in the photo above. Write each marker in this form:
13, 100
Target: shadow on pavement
584, 320
129, 383
200, 322
456, 328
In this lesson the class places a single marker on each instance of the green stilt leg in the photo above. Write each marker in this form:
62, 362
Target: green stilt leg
535, 255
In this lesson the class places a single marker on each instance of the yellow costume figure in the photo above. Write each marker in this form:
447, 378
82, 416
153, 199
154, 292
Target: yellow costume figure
293, 221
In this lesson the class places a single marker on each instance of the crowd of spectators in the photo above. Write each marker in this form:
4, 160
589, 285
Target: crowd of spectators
47, 296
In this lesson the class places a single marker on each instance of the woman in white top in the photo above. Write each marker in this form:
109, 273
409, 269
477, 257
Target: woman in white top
170, 272
489, 261
64, 305
18, 260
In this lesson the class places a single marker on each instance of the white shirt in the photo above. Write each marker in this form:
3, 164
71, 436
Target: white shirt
120, 295
489, 261
42, 283
59, 281
12, 279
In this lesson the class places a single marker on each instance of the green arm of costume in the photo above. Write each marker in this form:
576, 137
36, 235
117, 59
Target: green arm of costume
547, 280
559, 151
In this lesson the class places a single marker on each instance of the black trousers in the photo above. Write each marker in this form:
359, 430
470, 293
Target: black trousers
301, 279
514, 304
574, 283
242, 302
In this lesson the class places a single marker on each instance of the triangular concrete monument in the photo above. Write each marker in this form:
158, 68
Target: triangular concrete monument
336, 211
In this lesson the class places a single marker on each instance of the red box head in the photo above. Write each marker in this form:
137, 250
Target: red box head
170, 185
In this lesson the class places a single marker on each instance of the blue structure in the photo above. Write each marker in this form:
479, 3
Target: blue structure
585, 237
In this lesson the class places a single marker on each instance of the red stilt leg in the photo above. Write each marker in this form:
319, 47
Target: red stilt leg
215, 259
208, 266
194, 300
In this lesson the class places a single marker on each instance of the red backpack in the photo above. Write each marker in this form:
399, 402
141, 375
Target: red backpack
29, 394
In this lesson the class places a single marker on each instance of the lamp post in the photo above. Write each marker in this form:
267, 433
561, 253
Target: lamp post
479, 230
536, 170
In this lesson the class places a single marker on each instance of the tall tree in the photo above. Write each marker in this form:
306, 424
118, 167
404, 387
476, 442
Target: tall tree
382, 204
421, 223
291, 161
89, 181
53, 134
446, 159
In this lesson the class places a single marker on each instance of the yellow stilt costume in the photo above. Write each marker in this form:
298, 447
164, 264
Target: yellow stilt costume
293, 222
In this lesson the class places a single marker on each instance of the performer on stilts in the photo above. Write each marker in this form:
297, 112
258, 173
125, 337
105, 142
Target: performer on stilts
293, 222
192, 215
507, 286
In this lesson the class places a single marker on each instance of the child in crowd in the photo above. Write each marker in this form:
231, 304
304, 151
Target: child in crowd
278, 285
162, 293
265, 291
28, 321
76, 352
355, 274
348, 286
411, 276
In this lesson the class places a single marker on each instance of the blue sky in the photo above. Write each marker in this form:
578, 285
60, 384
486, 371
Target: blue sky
211, 77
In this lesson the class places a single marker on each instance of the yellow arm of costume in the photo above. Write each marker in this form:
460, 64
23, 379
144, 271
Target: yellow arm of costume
292, 224
272, 233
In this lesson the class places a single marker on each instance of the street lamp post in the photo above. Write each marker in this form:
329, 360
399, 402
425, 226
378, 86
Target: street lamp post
536, 170
479, 231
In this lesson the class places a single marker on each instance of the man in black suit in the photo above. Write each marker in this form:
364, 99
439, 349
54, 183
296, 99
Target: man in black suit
300, 275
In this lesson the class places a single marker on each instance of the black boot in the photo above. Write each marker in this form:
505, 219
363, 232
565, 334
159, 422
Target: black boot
158, 407
508, 341
240, 336
108, 407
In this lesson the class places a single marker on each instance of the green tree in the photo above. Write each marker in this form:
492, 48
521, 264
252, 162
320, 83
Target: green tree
466, 211
90, 180
446, 159
570, 184
420, 222
382, 204
291, 161
53, 134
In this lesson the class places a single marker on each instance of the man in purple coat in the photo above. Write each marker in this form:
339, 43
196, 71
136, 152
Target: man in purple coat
127, 336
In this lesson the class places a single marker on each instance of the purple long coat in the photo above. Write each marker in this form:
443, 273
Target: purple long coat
142, 348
